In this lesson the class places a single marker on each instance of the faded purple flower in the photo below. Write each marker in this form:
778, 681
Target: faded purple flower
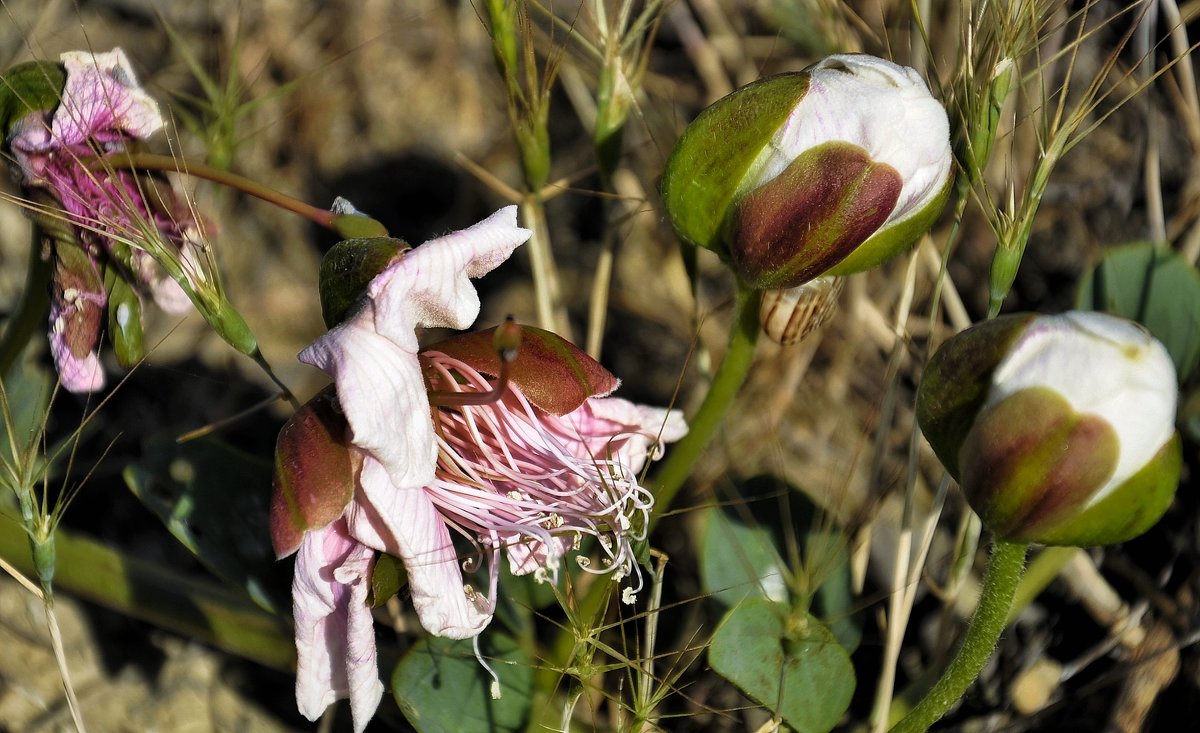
111, 212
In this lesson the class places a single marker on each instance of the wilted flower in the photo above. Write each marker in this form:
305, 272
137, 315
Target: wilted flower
514, 449
830, 170
60, 117
1060, 429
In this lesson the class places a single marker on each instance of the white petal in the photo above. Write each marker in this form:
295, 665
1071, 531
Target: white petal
430, 286
335, 636
1103, 366
882, 107
404, 522
373, 356
382, 393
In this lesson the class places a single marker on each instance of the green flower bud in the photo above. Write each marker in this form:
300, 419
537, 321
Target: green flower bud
348, 268
829, 171
314, 471
1060, 429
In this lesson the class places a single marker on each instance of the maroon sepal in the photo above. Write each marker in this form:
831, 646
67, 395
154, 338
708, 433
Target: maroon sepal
556, 375
314, 472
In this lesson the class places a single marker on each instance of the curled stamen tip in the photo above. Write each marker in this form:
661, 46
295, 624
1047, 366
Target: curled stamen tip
507, 340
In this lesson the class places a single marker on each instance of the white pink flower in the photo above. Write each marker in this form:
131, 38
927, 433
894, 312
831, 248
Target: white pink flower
527, 457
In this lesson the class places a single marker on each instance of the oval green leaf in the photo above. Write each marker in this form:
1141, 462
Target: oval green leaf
788, 662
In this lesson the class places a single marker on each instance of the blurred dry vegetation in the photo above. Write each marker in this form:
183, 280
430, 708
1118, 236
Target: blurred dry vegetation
395, 104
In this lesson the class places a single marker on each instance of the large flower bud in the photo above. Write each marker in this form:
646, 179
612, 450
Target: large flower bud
830, 170
1060, 429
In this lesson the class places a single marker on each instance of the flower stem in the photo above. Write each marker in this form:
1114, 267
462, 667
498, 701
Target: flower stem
155, 162
1000, 582
703, 426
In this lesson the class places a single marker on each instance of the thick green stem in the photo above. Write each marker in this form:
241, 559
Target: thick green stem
30, 314
703, 426
999, 585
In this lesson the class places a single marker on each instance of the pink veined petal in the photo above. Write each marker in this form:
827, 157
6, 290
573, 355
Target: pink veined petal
77, 374
404, 522
382, 392
102, 100
373, 357
335, 637
633, 428
430, 286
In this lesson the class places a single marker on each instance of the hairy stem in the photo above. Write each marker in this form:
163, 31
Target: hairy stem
1004, 573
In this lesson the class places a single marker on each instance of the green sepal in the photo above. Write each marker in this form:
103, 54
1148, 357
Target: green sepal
348, 268
956, 381
814, 214
1031, 461
1129, 510
713, 156
75, 270
895, 237
358, 226
29, 88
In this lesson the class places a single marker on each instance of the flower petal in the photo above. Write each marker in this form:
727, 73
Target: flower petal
430, 286
335, 636
404, 522
614, 424
102, 100
373, 356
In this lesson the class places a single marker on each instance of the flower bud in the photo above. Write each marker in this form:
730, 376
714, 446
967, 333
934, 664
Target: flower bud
348, 268
831, 170
314, 472
1060, 429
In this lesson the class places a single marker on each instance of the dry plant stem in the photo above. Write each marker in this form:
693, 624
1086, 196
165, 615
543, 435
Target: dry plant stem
551, 313
61, 658
601, 281
137, 588
1004, 573
703, 426
31, 311
46, 595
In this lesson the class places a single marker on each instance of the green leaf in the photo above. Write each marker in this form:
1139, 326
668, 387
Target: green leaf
213, 499
739, 561
442, 688
1154, 286
788, 662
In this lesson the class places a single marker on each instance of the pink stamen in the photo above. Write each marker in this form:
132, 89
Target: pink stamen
510, 476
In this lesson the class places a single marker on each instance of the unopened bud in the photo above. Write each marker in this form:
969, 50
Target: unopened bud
348, 268
1060, 429
831, 170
